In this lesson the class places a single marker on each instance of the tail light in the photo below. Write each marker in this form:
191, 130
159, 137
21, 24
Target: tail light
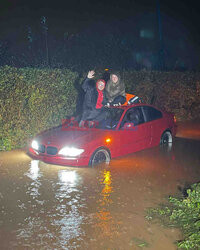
174, 119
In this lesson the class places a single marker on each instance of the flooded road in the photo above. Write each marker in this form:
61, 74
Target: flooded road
46, 206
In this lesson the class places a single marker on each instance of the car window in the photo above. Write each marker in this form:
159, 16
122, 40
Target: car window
112, 117
151, 113
133, 115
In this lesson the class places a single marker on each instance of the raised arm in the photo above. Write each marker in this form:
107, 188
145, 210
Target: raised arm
87, 81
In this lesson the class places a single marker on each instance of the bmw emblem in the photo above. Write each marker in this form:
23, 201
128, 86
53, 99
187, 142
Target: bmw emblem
48, 142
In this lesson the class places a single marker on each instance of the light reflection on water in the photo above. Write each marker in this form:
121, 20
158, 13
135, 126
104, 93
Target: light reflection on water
67, 177
106, 182
67, 216
60, 224
33, 172
35, 175
32, 221
105, 222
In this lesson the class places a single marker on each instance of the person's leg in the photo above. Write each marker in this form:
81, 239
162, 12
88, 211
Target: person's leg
93, 114
85, 116
101, 115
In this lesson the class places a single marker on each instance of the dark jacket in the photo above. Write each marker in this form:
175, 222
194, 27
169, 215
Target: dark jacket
90, 99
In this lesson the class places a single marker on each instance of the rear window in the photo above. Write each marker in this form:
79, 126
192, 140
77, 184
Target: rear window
151, 113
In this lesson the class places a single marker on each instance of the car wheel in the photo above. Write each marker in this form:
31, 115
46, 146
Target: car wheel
166, 138
166, 141
99, 156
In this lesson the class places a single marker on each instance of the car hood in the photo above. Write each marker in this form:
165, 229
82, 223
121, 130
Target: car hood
72, 136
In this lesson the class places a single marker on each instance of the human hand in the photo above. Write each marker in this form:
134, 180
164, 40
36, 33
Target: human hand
91, 74
107, 105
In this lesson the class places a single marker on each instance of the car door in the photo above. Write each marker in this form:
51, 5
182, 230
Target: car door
135, 136
155, 123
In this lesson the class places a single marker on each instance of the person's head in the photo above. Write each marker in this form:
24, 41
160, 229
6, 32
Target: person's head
114, 78
100, 84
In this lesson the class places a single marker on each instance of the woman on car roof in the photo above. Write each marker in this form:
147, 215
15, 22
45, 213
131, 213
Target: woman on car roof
115, 90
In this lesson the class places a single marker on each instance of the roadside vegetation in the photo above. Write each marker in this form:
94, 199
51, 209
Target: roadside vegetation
32, 100
183, 213
35, 99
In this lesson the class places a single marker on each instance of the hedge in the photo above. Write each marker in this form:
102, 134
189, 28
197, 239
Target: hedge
32, 100
177, 92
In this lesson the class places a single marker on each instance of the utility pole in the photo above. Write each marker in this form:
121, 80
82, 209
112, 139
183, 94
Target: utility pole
45, 30
161, 52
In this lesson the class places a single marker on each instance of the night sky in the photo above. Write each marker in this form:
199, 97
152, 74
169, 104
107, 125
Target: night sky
83, 12
179, 18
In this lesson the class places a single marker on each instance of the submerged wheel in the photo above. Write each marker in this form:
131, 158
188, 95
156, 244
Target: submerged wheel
166, 138
99, 156
166, 142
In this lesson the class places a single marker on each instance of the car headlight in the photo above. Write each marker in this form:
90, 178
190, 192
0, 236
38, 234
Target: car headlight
70, 151
35, 145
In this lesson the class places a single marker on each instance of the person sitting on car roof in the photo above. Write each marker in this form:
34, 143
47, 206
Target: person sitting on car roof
115, 90
94, 100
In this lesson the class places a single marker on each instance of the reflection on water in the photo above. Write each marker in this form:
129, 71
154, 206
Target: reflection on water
67, 177
67, 216
58, 224
106, 182
105, 222
189, 129
31, 223
34, 174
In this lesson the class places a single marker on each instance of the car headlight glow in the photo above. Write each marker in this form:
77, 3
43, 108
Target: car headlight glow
35, 145
70, 151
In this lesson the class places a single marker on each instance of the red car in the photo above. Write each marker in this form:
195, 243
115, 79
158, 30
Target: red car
125, 129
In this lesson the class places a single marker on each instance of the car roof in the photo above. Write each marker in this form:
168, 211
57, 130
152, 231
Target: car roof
126, 107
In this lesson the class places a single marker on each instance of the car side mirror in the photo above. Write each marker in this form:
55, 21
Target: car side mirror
128, 126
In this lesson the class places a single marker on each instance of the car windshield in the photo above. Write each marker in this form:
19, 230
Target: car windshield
111, 120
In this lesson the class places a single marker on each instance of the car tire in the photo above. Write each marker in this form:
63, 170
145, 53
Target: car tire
166, 138
99, 156
166, 141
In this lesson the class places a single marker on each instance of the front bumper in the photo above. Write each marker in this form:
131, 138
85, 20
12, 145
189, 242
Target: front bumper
58, 160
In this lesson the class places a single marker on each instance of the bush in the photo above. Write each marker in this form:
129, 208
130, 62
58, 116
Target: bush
32, 100
184, 213
177, 92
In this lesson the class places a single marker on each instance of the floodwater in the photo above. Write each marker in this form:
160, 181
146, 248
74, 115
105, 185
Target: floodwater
45, 206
